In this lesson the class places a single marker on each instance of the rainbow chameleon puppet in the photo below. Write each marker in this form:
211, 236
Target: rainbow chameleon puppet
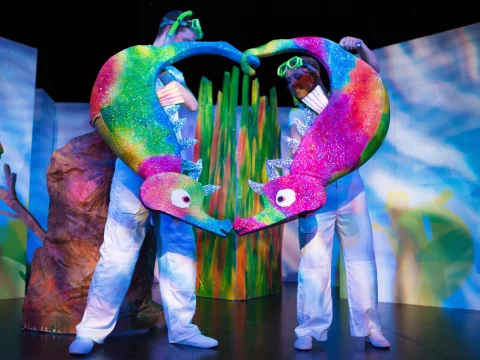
140, 132
344, 136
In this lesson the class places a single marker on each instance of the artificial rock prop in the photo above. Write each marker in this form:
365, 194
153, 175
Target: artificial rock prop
78, 181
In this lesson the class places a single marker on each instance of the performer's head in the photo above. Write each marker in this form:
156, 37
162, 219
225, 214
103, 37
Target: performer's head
302, 74
178, 26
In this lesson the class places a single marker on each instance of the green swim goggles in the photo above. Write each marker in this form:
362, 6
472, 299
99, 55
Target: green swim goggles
193, 24
293, 63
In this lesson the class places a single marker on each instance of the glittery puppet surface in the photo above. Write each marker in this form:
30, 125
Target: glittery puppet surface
138, 129
136, 125
291, 195
357, 110
185, 202
343, 137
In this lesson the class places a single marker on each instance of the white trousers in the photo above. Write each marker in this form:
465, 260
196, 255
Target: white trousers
124, 234
346, 213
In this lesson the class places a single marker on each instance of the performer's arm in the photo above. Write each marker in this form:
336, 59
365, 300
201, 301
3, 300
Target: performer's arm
351, 43
190, 102
294, 134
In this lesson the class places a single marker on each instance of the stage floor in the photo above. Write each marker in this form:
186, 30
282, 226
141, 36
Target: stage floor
263, 329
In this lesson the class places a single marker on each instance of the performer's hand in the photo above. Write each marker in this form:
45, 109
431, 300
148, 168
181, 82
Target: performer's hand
350, 43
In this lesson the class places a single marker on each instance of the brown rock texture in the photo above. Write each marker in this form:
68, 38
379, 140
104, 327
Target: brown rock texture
78, 180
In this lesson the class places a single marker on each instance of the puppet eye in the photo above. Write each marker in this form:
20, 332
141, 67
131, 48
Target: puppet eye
180, 198
285, 197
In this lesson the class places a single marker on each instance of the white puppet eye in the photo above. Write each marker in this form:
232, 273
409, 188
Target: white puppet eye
180, 198
285, 197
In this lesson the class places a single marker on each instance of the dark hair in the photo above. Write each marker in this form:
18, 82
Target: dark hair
311, 61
